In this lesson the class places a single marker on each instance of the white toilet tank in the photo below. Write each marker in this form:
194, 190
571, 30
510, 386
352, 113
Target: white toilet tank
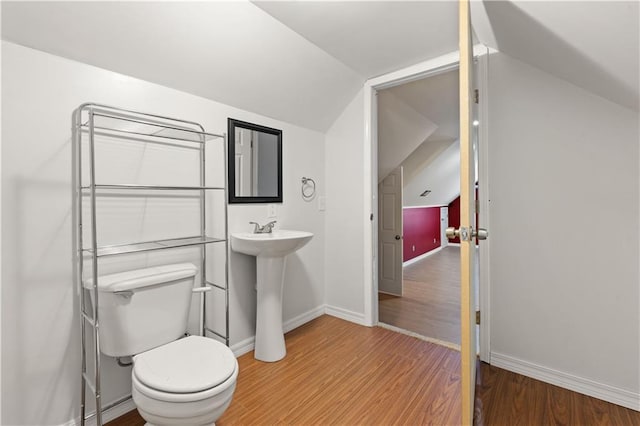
142, 309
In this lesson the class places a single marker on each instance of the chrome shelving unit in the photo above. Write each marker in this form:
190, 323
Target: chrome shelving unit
90, 122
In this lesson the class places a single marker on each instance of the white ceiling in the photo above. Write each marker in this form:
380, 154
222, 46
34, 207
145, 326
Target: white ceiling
373, 38
233, 53
435, 98
401, 130
423, 157
592, 44
302, 65
419, 121
302, 62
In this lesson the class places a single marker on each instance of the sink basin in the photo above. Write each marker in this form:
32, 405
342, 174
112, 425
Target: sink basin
276, 244
270, 251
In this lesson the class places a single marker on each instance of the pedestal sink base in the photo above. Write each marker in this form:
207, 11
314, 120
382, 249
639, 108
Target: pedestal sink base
269, 345
270, 251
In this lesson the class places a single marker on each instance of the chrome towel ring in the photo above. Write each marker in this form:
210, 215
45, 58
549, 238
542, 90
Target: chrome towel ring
308, 188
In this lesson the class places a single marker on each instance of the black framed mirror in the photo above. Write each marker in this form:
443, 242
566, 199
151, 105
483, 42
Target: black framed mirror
254, 163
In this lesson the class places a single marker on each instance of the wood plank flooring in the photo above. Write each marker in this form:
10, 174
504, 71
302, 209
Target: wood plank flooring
506, 398
430, 305
340, 373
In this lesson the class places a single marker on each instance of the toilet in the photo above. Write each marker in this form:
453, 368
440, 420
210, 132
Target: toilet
176, 380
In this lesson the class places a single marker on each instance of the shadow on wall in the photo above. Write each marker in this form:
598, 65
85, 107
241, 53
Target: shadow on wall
242, 273
295, 267
39, 301
532, 36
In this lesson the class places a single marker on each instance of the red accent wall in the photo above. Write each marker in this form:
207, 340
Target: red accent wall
420, 227
454, 217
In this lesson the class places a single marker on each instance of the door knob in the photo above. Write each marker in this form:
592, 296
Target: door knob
481, 234
398, 237
452, 233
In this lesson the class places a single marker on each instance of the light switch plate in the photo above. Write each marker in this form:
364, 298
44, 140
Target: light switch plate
271, 210
322, 203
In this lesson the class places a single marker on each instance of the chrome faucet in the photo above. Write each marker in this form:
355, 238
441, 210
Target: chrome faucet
266, 229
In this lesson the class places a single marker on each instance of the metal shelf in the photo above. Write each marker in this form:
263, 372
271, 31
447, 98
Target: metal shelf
153, 187
113, 250
91, 121
125, 124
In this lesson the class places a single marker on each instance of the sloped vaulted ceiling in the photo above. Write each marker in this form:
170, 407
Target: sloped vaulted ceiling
302, 62
230, 52
373, 37
592, 44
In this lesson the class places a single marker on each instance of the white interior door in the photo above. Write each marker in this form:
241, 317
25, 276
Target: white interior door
244, 162
390, 234
468, 271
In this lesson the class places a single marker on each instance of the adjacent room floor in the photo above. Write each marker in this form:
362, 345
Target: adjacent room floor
430, 305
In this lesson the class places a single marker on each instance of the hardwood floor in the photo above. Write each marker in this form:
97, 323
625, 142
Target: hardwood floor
336, 372
341, 373
430, 305
506, 398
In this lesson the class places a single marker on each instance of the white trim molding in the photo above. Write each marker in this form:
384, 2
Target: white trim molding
107, 415
578, 384
430, 206
347, 315
243, 346
247, 345
422, 256
484, 250
370, 149
303, 318
415, 72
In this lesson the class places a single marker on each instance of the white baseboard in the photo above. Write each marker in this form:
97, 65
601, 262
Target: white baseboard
581, 385
247, 345
454, 244
345, 314
107, 415
244, 346
303, 318
422, 256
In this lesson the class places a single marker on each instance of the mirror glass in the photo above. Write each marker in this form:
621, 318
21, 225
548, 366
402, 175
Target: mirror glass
254, 163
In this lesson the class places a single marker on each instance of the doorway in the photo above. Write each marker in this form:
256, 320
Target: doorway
418, 150
372, 88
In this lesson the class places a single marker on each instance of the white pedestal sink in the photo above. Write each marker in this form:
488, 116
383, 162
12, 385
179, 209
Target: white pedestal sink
270, 251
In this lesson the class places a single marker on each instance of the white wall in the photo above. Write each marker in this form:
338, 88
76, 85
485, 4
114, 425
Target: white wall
40, 342
563, 175
344, 216
401, 130
563, 182
441, 176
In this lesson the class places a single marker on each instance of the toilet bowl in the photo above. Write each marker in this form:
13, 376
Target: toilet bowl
176, 380
186, 382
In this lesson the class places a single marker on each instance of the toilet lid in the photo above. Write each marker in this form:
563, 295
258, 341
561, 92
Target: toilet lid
188, 365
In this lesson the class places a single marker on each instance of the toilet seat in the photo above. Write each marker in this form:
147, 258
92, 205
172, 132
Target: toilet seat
191, 368
157, 395
183, 409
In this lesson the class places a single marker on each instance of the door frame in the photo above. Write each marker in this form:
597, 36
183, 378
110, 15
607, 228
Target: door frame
419, 71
